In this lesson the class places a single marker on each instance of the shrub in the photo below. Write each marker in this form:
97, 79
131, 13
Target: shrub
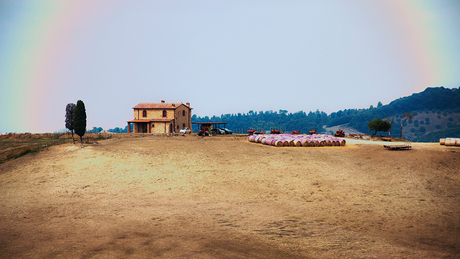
422, 122
422, 129
438, 126
451, 119
412, 130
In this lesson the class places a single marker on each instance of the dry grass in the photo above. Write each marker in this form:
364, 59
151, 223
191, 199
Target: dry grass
223, 197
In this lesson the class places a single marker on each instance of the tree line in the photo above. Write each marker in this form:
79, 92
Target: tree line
390, 118
397, 113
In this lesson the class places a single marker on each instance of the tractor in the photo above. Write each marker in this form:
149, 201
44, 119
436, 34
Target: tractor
339, 133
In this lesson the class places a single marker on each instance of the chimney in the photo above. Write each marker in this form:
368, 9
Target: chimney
162, 101
188, 105
173, 105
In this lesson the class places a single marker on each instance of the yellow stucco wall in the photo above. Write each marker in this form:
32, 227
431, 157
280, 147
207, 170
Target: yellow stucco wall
160, 127
181, 115
153, 114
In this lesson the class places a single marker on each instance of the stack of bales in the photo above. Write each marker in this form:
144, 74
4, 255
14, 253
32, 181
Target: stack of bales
450, 141
288, 140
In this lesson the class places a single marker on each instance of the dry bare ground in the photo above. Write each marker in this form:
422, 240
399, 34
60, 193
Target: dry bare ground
224, 197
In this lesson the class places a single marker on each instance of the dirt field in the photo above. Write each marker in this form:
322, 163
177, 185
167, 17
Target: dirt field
224, 197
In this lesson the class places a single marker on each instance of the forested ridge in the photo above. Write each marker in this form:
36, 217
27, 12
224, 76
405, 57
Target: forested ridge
440, 104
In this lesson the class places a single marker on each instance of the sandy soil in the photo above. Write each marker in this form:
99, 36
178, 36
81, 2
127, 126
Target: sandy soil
224, 197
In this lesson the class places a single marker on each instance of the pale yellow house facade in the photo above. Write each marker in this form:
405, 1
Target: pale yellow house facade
160, 117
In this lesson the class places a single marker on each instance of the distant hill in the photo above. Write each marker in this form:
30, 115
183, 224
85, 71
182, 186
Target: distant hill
436, 110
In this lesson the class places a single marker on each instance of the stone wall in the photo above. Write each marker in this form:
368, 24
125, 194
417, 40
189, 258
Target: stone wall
183, 118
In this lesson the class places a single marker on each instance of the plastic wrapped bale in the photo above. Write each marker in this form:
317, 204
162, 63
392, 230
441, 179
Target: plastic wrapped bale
278, 143
343, 142
442, 141
297, 143
305, 142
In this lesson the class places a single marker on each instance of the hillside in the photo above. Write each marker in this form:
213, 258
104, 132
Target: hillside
436, 114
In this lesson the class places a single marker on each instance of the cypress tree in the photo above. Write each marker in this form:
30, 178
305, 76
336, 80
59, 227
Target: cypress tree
80, 120
70, 118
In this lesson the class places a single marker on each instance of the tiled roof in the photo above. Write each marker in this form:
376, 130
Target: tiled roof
158, 105
152, 120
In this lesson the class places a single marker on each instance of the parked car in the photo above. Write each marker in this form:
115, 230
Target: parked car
227, 131
185, 131
217, 131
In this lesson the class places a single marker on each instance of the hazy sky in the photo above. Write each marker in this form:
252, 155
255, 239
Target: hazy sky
221, 56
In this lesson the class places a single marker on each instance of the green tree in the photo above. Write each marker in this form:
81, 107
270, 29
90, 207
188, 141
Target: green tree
379, 125
70, 118
379, 104
80, 120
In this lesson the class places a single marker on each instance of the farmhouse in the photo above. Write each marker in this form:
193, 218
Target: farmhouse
160, 117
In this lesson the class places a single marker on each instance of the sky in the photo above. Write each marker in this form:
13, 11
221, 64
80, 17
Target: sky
224, 57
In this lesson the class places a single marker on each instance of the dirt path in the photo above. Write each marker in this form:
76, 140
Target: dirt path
223, 197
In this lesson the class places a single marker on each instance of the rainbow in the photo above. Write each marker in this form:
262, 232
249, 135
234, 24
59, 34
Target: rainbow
34, 57
36, 50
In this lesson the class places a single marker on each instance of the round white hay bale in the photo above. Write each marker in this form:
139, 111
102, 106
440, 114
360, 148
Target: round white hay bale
442, 141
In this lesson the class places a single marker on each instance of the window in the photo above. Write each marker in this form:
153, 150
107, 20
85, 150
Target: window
183, 125
183, 113
164, 113
177, 127
144, 113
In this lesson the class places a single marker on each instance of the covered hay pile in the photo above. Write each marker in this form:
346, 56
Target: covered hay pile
289, 140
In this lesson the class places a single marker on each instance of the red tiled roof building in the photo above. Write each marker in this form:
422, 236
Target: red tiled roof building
160, 117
